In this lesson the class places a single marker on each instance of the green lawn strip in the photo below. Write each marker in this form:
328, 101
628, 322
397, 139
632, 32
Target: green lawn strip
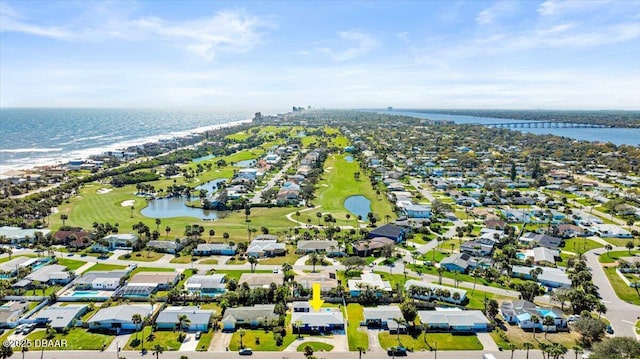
443, 341
515, 335
290, 257
317, 347
205, 341
396, 280
264, 338
576, 245
71, 264
76, 339
38, 292
434, 256
6, 259
144, 256
638, 327
611, 257
209, 261
151, 269
623, 291
104, 267
461, 277
356, 338
184, 259
618, 242
187, 273
235, 274
167, 338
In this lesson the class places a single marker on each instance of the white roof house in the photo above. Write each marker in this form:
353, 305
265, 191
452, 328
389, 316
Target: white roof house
118, 317
371, 279
455, 320
60, 317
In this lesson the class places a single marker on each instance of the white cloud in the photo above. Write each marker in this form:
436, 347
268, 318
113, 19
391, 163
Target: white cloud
228, 31
357, 43
497, 10
559, 7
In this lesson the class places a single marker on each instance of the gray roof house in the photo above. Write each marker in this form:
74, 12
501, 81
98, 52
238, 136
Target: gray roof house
118, 317
255, 316
10, 312
199, 318
261, 280
550, 277
383, 316
266, 248
319, 246
51, 274
326, 279
207, 285
102, 280
324, 321
60, 317
454, 320
165, 246
545, 255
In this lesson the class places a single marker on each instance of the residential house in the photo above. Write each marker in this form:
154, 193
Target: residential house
11, 312
143, 284
389, 230
550, 277
207, 285
60, 317
255, 316
100, 280
10, 269
369, 280
463, 262
117, 318
54, 274
571, 230
266, 248
207, 249
20, 235
545, 256
478, 247
171, 247
327, 320
383, 316
431, 291
199, 319
326, 279
331, 248
73, 239
610, 231
121, 241
372, 246
540, 240
454, 320
417, 211
522, 312
261, 280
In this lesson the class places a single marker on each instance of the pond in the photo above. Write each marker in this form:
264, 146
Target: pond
358, 205
246, 163
176, 206
348, 158
203, 158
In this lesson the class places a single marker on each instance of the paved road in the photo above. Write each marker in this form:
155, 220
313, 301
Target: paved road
621, 314
519, 354
257, 197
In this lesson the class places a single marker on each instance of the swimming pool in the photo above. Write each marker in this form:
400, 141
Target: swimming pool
85, 293
521, 256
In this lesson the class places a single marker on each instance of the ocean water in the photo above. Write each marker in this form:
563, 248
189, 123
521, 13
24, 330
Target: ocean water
617, 136
31, 137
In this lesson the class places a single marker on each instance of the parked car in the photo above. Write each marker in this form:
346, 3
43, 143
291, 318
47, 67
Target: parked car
397, 351
198, 335
276, 270
245, 351
609, 329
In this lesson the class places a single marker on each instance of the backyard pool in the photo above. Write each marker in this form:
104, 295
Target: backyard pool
521, 256
85, 293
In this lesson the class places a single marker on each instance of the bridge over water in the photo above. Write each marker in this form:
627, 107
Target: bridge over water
541, 124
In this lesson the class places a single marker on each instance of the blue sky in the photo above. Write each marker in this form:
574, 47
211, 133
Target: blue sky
272, 55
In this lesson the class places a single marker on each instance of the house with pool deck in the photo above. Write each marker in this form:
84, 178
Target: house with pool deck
523, 313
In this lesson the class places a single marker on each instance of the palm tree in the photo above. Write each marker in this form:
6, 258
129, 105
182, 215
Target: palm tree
547, 322
314, 258
535, 320
286, 267
513, 348
157, 350
167, 229
136, 319
400, 321
361, 350
577, 350
212, 233
440, 270
5, 351
253, 261
64, 218
183, 322
225, 236
629, 246
131, 214
528, 346
241, 333
297, 324
608, 247
158, 221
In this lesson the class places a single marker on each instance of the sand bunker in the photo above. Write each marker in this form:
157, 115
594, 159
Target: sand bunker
104, 190
128, 203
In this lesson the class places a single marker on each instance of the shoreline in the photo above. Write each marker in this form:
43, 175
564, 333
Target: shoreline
85, 154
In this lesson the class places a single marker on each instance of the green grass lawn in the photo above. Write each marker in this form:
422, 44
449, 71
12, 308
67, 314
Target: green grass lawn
144, 256
265, 338
395, 279
443, 341
317, 347
623, 291
104, 267
71, 264
338, 183
611, 257
205, 341
235, 274
209, 261
618, 242
77, 339
580, 244
518, 337
38, 292
167, 338
151, 269
184, 259
356, 338
290, 257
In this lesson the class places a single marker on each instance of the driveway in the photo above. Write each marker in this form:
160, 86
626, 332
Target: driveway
374, 343
190, 343
220, 342
621, 314
487, 342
